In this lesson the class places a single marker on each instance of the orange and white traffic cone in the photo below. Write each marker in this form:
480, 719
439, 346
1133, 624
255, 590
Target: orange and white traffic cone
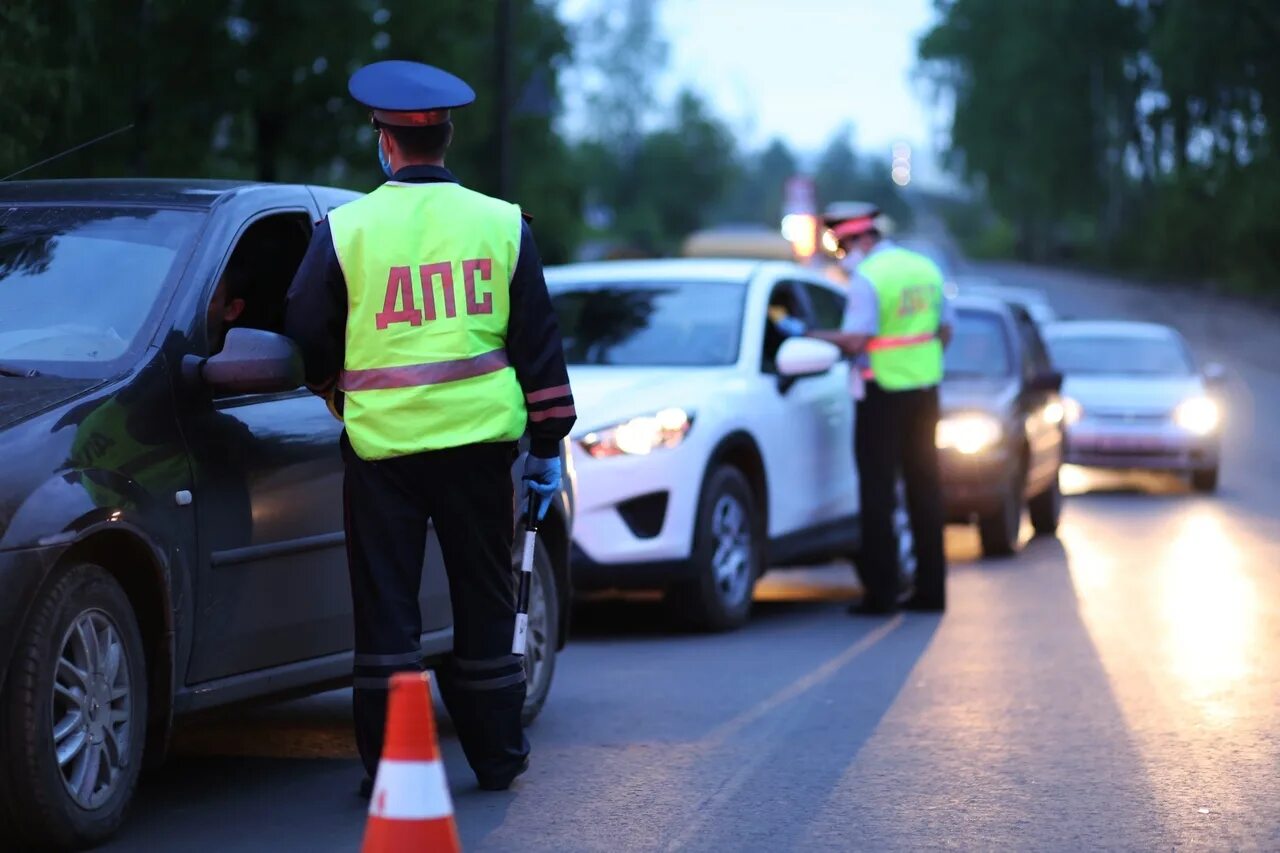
410, 808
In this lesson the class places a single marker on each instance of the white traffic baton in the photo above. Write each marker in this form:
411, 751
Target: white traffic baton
520, 639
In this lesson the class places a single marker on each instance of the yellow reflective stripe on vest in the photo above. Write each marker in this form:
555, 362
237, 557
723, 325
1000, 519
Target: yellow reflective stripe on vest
418, 375
879, 342
428, 270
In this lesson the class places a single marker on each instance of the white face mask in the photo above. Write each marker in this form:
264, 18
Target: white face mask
854, 257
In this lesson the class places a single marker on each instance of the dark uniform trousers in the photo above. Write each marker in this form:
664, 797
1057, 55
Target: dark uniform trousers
895, 432
467, 492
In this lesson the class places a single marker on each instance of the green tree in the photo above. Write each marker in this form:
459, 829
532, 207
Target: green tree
257, 89
1028, 85
837, 175
32, 84
655, 174
843, 176
756, 196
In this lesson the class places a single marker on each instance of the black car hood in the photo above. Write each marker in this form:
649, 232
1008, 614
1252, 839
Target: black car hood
991, 394
21, 398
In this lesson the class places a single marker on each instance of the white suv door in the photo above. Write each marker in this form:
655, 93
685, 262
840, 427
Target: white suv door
838, 485
789, 419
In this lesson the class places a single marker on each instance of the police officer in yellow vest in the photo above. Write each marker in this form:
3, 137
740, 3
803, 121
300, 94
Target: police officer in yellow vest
897, 322
424, 307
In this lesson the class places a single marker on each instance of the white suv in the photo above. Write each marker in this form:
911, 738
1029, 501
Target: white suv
707, 448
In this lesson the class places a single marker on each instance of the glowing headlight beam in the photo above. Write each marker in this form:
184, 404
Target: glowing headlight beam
968, 433
1072, 411
639, 436
1199, 415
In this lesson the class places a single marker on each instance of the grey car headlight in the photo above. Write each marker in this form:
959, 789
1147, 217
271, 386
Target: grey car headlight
969, 432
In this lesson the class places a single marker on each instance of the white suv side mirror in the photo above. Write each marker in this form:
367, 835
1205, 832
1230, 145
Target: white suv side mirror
806, 357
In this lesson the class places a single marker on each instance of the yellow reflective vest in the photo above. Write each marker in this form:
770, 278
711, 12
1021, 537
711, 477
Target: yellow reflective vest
428, 271
906, 352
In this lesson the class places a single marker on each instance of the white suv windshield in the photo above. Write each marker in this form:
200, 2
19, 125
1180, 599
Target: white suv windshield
650, 323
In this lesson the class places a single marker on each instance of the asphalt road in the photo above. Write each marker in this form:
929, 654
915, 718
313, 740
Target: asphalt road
1117, 687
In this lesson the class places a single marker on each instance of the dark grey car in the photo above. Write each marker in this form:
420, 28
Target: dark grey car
170, 519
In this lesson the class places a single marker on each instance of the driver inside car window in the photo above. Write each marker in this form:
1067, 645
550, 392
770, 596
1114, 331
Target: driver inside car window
228, 302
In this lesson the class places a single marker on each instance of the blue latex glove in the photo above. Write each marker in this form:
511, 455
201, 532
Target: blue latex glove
542, 476
791, 326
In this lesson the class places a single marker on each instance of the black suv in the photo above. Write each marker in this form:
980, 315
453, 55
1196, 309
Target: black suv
170, 505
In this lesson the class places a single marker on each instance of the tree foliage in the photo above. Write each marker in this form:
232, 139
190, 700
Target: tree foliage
257, 89
842, 175
655, 173
756, 196
1141, 131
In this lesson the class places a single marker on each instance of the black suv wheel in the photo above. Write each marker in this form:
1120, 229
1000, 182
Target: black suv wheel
73, 714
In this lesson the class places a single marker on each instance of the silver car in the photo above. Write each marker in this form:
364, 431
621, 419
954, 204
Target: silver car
1135, 399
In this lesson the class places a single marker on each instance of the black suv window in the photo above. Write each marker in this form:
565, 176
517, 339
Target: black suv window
257, 275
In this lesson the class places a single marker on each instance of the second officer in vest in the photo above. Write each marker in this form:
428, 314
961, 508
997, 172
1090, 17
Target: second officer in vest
897, 322
422, 309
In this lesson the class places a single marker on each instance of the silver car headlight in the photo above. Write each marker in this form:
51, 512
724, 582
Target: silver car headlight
1198, 415
969, 432
640, 435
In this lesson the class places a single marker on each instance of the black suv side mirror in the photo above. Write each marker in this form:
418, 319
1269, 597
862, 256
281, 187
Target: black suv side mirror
1049, 380
254, 361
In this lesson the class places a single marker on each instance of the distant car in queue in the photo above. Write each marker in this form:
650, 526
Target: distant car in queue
1135, 398
1031, 300
171, 534
1000, 437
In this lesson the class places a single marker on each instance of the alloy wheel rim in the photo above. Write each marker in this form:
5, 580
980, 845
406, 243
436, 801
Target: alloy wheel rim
731, 560
91, 708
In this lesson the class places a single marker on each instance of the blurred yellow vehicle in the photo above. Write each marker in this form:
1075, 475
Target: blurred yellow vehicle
759, 242
746, 241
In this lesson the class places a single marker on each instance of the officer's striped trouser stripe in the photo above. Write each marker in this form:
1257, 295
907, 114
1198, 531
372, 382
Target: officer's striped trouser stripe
486, 663
373, 670
366, 659
492, 683
492, 673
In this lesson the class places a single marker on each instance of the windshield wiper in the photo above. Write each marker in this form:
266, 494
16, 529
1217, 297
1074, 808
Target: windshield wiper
19, 372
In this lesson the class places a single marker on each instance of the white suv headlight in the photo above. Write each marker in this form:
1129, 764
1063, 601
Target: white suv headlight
969, 432
639, 436
1199, 415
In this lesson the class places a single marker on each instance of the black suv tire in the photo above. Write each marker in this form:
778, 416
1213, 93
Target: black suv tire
77, 685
